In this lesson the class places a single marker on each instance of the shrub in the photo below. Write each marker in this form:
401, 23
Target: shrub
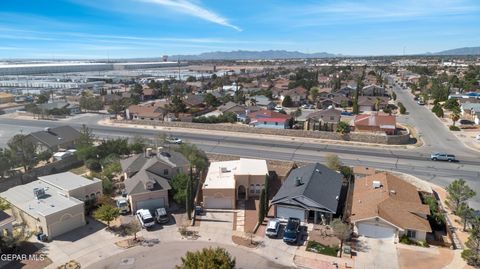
94, 165
314, 246
406, 240
453, 128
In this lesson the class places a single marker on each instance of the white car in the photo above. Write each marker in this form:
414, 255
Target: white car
173, 140
145, 218
278, 107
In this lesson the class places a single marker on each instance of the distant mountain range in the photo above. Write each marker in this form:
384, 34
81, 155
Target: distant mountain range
460, 51
253, 55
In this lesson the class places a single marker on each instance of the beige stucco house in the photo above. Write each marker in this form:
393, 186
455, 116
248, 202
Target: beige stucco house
229, 181
53, 204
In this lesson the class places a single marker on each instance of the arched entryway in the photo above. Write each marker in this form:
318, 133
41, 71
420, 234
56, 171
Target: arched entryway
241, 193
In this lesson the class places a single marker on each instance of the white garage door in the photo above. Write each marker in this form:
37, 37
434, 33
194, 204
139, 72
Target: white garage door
287, 212
66, 224
151, 204
218, 203
373, 231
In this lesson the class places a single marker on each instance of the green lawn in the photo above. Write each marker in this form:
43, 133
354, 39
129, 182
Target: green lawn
316, 247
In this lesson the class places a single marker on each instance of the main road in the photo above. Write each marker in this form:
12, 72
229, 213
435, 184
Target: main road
413, 161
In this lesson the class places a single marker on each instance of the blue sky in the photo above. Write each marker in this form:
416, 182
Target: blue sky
151, 28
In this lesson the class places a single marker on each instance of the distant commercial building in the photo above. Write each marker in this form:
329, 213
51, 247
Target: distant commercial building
50, 84
63, 67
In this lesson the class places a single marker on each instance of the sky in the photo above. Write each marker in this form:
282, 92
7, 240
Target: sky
151, 28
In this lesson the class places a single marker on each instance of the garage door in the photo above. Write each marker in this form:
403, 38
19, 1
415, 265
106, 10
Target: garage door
288, 212
66, 224
151, 204
373, 231
218, 203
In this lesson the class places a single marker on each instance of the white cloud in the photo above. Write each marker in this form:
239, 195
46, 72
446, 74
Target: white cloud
195, 10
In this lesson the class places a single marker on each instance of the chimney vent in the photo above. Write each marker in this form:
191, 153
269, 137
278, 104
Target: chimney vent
298, 181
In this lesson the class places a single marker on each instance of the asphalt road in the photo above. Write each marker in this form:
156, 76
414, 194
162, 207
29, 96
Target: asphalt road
168, 255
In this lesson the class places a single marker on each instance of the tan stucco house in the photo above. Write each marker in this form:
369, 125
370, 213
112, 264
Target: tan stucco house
147, 177
229, 181
53, 204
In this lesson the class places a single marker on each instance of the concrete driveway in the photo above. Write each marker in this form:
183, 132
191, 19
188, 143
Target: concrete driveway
376, 254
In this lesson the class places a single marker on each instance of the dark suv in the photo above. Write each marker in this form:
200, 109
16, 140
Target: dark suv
292, 230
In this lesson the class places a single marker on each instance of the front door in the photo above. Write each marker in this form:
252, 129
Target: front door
241, 192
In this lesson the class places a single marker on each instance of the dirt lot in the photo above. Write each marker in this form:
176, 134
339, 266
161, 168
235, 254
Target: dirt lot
419, 258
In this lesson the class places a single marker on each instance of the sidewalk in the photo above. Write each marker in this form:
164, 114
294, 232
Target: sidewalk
108, 122
306, 259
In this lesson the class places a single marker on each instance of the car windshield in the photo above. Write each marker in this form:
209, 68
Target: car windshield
289, 234
271, 230
148, 220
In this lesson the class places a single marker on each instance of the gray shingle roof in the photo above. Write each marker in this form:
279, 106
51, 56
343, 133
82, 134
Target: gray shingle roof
319, 190
56, 136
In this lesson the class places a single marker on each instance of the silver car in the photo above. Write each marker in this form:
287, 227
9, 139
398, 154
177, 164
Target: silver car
273, 228
437, 156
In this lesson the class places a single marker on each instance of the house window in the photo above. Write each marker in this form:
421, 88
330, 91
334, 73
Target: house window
257, 189
87, 197
92, 196
252, 188
264, 122
411, 234
165, 172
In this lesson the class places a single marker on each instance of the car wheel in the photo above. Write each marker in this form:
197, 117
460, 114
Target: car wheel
434, 159
450, 160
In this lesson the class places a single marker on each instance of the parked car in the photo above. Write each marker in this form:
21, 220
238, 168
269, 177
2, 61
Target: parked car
279, 107
273, 228
478, 137
437, 156
292, 230
161, 215
467, 122
173, 140
122, 205
421, 102
145, 218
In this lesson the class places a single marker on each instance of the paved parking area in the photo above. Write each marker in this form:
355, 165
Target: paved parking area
376, 254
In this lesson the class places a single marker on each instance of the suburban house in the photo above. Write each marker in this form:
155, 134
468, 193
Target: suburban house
194, 100
347, 91
370, 103
298, 95
375, 123
335, 100
59, 105
373, 90
310, 193
229, 181
385, 206
323, 120
149, 111
471, 111
147, 177
269, 119
6, 224
53, 204
54, 139
261, 101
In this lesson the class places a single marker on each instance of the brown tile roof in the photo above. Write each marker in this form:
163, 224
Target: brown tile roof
375, 119
370, 100
268, 114
363, 170
151, 110
396, 201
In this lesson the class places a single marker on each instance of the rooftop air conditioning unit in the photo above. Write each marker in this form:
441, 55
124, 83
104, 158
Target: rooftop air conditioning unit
376, 184
38, 193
